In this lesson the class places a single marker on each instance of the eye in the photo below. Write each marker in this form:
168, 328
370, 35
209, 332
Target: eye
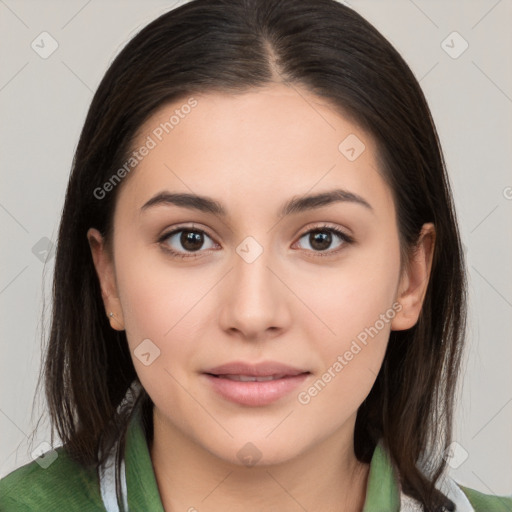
190, 240
320, 239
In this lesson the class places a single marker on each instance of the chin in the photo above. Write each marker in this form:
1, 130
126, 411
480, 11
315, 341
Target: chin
260, 452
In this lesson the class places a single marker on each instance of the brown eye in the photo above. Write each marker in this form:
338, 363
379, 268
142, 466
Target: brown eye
321, 239
183, 241
191, 240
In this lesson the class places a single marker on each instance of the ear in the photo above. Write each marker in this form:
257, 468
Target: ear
414, 281
103, 262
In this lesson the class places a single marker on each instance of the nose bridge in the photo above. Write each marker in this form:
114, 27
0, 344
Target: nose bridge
252, 262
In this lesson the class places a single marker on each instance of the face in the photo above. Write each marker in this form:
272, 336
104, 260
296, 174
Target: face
316, 289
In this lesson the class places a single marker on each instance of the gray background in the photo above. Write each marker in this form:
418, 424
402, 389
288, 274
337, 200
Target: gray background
43, 103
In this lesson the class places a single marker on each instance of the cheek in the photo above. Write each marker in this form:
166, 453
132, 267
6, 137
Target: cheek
351, 296
161, 302
349, 363
356, 301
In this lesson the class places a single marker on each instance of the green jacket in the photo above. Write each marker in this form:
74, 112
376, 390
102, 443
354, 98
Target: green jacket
64, 485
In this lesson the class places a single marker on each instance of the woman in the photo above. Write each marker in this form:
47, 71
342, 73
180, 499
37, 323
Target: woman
259, 295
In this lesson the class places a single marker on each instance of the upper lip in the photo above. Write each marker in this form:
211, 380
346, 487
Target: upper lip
263, 369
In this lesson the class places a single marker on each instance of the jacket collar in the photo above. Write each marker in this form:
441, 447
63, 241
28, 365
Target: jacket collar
382, 488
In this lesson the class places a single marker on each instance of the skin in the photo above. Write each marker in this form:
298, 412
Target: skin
253, 152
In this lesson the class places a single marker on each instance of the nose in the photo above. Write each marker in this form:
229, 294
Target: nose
254, 299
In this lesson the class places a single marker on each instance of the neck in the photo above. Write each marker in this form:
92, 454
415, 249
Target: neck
327, 477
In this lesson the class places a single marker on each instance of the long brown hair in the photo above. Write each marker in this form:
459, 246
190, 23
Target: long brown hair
233, 46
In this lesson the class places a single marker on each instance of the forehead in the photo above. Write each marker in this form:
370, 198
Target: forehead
253, 149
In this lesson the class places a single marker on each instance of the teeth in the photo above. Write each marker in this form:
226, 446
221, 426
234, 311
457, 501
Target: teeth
251, 378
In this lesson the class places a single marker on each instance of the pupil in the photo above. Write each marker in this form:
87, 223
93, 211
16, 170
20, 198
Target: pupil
321, 240
191, 240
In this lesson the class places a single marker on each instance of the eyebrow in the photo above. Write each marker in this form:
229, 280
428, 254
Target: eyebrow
295, 205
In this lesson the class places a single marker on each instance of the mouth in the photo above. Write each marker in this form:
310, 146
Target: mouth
254, 385
271, 369
251, 378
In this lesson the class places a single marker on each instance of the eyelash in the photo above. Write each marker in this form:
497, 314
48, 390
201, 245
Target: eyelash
324, 228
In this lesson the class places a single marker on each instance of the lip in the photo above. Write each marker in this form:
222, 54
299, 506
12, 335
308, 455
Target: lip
263, 369
254, 393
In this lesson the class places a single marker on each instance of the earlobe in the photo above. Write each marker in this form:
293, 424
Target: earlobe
414, 282
104, 266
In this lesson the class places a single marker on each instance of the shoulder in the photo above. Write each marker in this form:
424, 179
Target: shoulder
464, 498
487, 502
54, 481
471, 500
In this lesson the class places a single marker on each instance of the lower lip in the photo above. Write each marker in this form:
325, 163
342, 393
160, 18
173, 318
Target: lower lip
255, 393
